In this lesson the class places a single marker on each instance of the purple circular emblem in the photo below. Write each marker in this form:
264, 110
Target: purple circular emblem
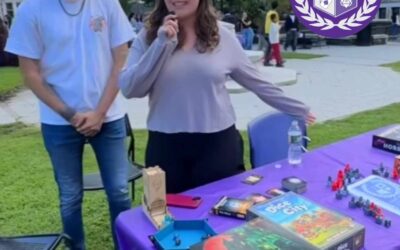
335, 18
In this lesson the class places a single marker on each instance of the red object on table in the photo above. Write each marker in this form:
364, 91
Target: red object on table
334, 186
340, 175
347, 168
180, 200
379, 212
339, 184
395, 175
396, 168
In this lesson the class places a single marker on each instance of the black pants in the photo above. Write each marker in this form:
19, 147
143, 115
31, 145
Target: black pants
291, 39
268, 50
194, 159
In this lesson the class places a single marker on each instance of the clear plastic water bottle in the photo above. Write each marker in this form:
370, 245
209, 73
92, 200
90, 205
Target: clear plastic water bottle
295, 144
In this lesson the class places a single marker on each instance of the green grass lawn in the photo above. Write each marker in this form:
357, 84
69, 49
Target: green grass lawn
10, 81
29, 195
395, 66
302, 56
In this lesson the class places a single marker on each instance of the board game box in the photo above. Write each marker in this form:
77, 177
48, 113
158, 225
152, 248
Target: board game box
257, 234
232, 207
388, 140
321, 228
381, 191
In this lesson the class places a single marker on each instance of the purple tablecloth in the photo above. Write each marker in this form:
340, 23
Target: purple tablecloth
133, 228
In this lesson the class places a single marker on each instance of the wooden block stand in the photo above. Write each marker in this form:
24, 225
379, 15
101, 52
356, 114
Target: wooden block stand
154, 200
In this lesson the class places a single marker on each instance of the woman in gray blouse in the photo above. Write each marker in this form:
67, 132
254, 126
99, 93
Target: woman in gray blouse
182, 60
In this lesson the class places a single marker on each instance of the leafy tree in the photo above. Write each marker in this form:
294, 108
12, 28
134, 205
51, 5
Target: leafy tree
125, 5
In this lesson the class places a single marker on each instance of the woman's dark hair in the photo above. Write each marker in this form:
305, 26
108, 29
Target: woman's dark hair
273, 17
206, 25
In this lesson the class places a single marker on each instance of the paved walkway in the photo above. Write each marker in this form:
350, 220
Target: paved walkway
348, 81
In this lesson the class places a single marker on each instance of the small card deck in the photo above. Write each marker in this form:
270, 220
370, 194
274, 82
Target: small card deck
294, 184
252, 179
257, 198
275, 192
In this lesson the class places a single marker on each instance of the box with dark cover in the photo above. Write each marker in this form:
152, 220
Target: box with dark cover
388, 140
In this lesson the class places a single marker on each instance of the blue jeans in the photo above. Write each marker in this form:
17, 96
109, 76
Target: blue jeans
65, 147
248, 34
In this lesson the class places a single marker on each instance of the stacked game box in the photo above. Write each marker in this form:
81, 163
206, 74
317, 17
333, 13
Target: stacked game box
318, 226
232, 207
388, 140
255, 234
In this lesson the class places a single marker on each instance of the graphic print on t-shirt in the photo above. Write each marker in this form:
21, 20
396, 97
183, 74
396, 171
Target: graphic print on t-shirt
98, 23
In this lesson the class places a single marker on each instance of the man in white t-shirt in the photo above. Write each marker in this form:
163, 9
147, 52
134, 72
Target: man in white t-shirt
71, 53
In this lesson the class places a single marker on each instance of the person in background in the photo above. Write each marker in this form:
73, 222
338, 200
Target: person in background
6, 59
274, 40
247, 31
267, 28
181, 61
291, 29
395, 28
3, 25
71, 54
7, 20
220, 15
132, 20
139, 23
230, 17
398, 25
262, 44
3, 39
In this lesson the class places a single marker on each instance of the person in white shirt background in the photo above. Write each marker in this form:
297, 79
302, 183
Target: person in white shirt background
71, 53
274, 40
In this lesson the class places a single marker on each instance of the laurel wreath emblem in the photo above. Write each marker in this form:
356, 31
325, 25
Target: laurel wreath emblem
345, 24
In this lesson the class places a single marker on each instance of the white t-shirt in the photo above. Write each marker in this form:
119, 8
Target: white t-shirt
293, 17
75, 52
274, 33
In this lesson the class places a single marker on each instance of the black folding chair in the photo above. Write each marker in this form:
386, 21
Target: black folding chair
93, 182
33, 242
